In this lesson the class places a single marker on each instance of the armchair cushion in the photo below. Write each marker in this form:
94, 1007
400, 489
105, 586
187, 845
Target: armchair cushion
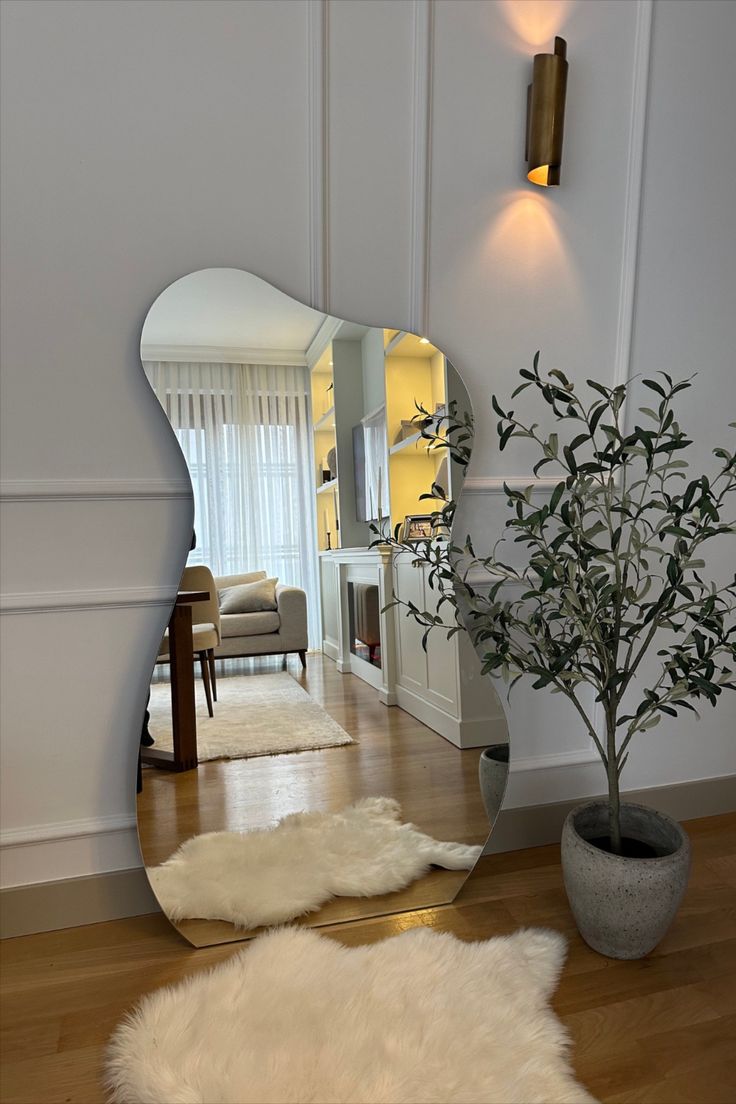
249, 624
204, 637
249, 597
222, 582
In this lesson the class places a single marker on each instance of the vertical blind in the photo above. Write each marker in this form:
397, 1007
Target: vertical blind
245, 433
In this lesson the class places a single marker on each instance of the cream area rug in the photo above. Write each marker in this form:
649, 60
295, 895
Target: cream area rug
421, 1018
275, 874
254, 715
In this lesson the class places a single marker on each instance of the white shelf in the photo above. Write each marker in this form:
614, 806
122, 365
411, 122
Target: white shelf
407, 443
330, 486
327, 421
395, 340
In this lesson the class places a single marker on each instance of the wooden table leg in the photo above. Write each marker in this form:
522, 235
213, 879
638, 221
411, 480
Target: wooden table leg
183, 707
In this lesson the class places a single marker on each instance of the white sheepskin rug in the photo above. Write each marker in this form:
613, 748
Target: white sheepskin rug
254, 715
275, 874
297, 1017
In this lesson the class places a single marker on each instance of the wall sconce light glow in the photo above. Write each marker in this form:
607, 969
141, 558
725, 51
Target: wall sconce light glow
545, 116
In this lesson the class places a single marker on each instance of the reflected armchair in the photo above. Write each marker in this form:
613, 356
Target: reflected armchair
206, 632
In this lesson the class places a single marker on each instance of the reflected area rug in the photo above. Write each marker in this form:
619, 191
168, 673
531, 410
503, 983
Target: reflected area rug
254, 715
417, 1019
275, 874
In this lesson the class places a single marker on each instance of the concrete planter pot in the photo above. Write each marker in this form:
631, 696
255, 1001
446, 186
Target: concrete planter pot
493, 775
624, 906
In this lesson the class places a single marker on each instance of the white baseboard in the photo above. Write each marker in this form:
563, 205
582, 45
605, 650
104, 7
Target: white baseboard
463, 734
70, 902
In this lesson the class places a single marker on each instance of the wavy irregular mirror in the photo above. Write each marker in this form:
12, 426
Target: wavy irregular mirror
303, 758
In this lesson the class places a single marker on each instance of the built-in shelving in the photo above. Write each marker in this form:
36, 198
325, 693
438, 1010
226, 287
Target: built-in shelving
327, 421
370, 382
415, 441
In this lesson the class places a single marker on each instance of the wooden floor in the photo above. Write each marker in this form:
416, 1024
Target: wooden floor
658, 1031
395, 756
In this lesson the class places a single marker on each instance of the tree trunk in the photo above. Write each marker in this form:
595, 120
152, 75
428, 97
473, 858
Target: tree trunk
614, 800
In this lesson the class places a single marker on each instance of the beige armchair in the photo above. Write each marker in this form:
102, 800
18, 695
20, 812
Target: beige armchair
268, 632
206, 629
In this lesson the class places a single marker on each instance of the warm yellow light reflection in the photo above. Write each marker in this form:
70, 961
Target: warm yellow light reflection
535, 21
526, 238
540, 175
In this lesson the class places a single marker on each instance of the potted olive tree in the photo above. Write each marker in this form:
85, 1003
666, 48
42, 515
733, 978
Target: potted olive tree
610, 607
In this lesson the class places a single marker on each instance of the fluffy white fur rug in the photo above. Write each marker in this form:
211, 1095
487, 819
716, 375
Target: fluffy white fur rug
254, 715
297, 1017
275, 874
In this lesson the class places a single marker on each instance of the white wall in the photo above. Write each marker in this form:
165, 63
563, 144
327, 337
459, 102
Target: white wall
370, 165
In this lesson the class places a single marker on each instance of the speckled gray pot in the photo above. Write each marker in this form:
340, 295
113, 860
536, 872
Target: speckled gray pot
493, 774
623, 907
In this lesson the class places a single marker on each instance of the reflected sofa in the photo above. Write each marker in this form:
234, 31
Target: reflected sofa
267, 632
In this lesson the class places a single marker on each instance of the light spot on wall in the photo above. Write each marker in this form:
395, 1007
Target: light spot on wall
536, 22
526, 239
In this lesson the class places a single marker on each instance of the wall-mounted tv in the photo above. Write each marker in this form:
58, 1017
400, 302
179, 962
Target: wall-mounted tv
370, 452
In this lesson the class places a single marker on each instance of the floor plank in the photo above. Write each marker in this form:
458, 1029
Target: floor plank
657, 1031
435, 783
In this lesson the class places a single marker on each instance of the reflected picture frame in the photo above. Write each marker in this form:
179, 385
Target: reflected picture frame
417, 527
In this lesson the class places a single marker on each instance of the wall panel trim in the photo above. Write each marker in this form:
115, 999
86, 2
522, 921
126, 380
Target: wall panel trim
634, 184
574, 758
72, 490
221, 354
318, 152
67, 829
421, 162
494, 485
64, 601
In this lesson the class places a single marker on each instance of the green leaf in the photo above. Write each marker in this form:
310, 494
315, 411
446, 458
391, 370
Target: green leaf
654, 386
557, 494
505, 437
581, 439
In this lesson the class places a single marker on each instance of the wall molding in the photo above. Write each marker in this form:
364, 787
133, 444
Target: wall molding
540, 824
494, 485
633, 193
421, 162
318, 152
113, 895
66, 601
85, 490
222, 354
324, 335
576, 758
66, 830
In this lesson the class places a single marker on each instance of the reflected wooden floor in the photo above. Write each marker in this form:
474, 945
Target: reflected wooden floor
395, 756
657, 1031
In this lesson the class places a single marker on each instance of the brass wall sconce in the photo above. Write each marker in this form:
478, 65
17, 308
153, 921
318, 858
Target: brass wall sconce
545, 116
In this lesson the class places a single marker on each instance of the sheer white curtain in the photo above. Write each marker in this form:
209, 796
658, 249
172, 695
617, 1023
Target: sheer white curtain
245, 431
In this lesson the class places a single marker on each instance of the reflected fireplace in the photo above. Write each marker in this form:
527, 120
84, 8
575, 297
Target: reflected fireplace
365, 621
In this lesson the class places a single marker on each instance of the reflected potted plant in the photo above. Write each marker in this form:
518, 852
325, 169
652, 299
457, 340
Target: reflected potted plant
609, 607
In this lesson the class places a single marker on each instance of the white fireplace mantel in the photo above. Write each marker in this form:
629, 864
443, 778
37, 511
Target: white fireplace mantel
441, 685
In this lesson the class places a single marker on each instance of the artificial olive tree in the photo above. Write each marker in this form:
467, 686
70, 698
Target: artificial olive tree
613, 561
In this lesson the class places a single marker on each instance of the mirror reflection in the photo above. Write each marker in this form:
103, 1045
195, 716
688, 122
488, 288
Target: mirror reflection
303, 758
